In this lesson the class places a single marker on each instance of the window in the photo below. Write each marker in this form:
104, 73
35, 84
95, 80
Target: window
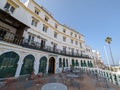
56, 26
79, 37
46, 18
7, 6
55, 35
45, 28
77, 51
34, 23
80, 45
43, 42
75, 35
64, 38
63, 62
66, 62
71, 33
31, 39
60, 62
71, 41
76, 42
37, 12
64, 30
10, 8
64, 48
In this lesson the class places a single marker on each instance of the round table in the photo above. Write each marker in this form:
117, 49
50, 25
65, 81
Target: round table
76, 71
54, 86
72, 75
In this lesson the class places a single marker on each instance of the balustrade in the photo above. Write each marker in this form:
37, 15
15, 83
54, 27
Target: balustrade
110, 76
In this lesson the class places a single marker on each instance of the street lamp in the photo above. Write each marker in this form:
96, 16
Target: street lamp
108, 40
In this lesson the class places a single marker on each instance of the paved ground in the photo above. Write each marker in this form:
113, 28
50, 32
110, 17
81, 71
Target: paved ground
84, 82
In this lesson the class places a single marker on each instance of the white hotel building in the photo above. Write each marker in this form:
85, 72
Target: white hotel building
31, 38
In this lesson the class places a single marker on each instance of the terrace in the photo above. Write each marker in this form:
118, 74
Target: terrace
85, 80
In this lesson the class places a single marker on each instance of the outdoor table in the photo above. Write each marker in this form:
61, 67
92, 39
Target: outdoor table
72, 75
54, 86
76, 71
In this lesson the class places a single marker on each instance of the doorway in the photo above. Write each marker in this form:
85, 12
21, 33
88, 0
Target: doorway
51, 68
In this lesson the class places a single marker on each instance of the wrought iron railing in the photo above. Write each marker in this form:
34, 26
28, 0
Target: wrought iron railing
10, 37
38, 46
16, 39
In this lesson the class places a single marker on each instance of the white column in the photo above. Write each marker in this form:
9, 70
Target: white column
19, 67
36, 65
57, 65
47, 64
113, 78
118, 78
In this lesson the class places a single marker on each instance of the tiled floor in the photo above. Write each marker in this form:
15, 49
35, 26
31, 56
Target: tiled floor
84, 82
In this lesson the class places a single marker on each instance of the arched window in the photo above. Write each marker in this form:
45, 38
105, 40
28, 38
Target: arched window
77, 64
81, 63
60, 62
73, 63
43, 64
66, 62
28, 65
8, 64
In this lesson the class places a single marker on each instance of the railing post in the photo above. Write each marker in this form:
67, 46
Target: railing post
118, 78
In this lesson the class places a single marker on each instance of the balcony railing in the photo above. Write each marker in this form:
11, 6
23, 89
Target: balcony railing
16, 39
10, 37
37, 46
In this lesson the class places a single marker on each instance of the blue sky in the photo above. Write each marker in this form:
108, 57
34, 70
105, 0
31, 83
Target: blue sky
96, 19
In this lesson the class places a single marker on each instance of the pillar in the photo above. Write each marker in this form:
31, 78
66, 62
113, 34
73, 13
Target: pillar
36, 64
19, 67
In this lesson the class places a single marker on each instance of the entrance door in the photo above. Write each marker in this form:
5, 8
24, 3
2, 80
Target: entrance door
51, 68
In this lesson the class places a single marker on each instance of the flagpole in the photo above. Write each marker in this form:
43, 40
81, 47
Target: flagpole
107, 57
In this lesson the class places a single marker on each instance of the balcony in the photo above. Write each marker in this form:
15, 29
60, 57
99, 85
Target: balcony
10, 37
18, 40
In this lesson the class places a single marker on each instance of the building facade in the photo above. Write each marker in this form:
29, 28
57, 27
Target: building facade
97, 59
30, 38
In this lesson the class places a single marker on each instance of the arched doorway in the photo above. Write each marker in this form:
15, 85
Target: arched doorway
43, 64
73, 63
51, 68
28, 63
8, 64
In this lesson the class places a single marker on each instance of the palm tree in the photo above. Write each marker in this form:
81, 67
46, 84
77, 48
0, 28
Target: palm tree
109, 40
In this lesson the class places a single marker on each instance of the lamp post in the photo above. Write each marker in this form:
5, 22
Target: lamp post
108, 40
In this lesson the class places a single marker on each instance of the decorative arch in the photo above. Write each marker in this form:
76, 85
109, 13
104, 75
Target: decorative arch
77, 63
91, 64
66, 62
43, 64
60, 62
73, 63
82, 63
88, 63
63, 62
51, 68
85, 64
8, 64
28, 65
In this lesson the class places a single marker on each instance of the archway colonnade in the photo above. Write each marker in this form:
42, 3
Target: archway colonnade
15, 64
